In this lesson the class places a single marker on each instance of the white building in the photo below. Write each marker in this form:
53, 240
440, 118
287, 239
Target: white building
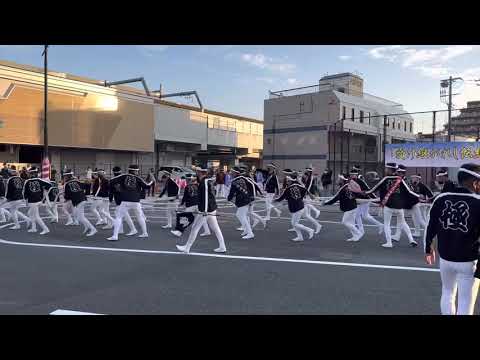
333, 124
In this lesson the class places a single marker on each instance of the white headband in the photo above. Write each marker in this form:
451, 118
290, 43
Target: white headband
442, 174
342, 177
69, 173
473, 173
291, 179
416, 176
391, 167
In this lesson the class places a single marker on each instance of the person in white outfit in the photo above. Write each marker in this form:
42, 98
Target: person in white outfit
4, 213
454, 221
75, 194
272, 189
130, 187
171, 191
363, 207
34, 190
294, 193
348, 205
51, 202
309, 181
15, 200
115, 195
207, 212
101, 204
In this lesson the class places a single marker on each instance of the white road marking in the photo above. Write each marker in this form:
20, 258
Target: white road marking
285, 260
71, 312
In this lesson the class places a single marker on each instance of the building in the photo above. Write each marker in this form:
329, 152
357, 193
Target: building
334, 124
467, 124
91, 124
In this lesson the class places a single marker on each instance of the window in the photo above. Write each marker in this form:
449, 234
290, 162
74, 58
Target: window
405, 126
393, 123
353, 114
3, 148
344, 112
269, 141
398, 125
369, 118
302, 104
361, 116
411, 127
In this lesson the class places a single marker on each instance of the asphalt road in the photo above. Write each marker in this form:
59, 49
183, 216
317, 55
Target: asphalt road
269, 274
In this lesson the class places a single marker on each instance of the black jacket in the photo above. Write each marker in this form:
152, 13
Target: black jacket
53, 192
420, 189
326, 178
14, 188
242, 190
346, 198
449, 186
190, 195
2, 188
255, 188
455, 220
206, 196
294, 195
33, 189
128, 187
271, 184
101, 188
400, 198
171, 188
364, 186
74, 192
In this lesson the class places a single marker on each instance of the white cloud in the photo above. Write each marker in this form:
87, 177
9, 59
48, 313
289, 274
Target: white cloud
264, 62
344, 57
151, 50
292, 81
429, 62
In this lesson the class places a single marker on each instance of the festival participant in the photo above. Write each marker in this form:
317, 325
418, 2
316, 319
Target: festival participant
75, 194
171, 191
33, 192
129, 186
207, 212
294, 194
394, 193
15, 200
116, 195
443, 183
101, 194
272, 189
454, 220
308, 181
242, 191
348, 205
51, 201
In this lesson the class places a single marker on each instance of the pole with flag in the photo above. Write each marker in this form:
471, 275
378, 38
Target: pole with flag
46, 161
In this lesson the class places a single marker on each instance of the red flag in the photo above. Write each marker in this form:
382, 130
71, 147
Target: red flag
46, 169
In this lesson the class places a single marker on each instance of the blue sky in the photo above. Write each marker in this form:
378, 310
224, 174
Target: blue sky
236, 79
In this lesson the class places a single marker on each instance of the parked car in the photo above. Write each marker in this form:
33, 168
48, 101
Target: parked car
178, 171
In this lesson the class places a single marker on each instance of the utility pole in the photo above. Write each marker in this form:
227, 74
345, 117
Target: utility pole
449, 83
45, 102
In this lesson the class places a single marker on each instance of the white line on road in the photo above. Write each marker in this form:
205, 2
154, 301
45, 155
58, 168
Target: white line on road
285, 260
71, 312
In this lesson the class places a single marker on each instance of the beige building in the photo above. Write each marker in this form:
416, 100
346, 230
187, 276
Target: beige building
333, 124
90, 124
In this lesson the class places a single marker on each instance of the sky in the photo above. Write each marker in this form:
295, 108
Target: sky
236, 78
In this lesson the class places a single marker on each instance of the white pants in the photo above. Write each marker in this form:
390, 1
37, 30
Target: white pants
34, 215
364, 213
69, 212
123, 210
3, 212
14, 207
296, 217
349, 221
401, 223
253, 214
194, 208
220, 190
171, 211
269, 205
79, 214
52, 210
309, 208
418, 221
95, 206
199, 222
101, 209
128, 220
242, 216
458, 275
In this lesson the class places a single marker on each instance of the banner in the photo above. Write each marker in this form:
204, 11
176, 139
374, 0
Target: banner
447, 154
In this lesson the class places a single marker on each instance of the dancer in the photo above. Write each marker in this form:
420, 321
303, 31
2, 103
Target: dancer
308, 181
101, 204
294, 194
51, 202
423, 190
242, 191
412, 206
75, 194
394, 193
34, 190
454, 220
348, 205
363, 208
115, 195
207, 212
443, 183
130, 187
220, 183
14, 196
190, 201
4, 213
272, 189
257, 192
171, 190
